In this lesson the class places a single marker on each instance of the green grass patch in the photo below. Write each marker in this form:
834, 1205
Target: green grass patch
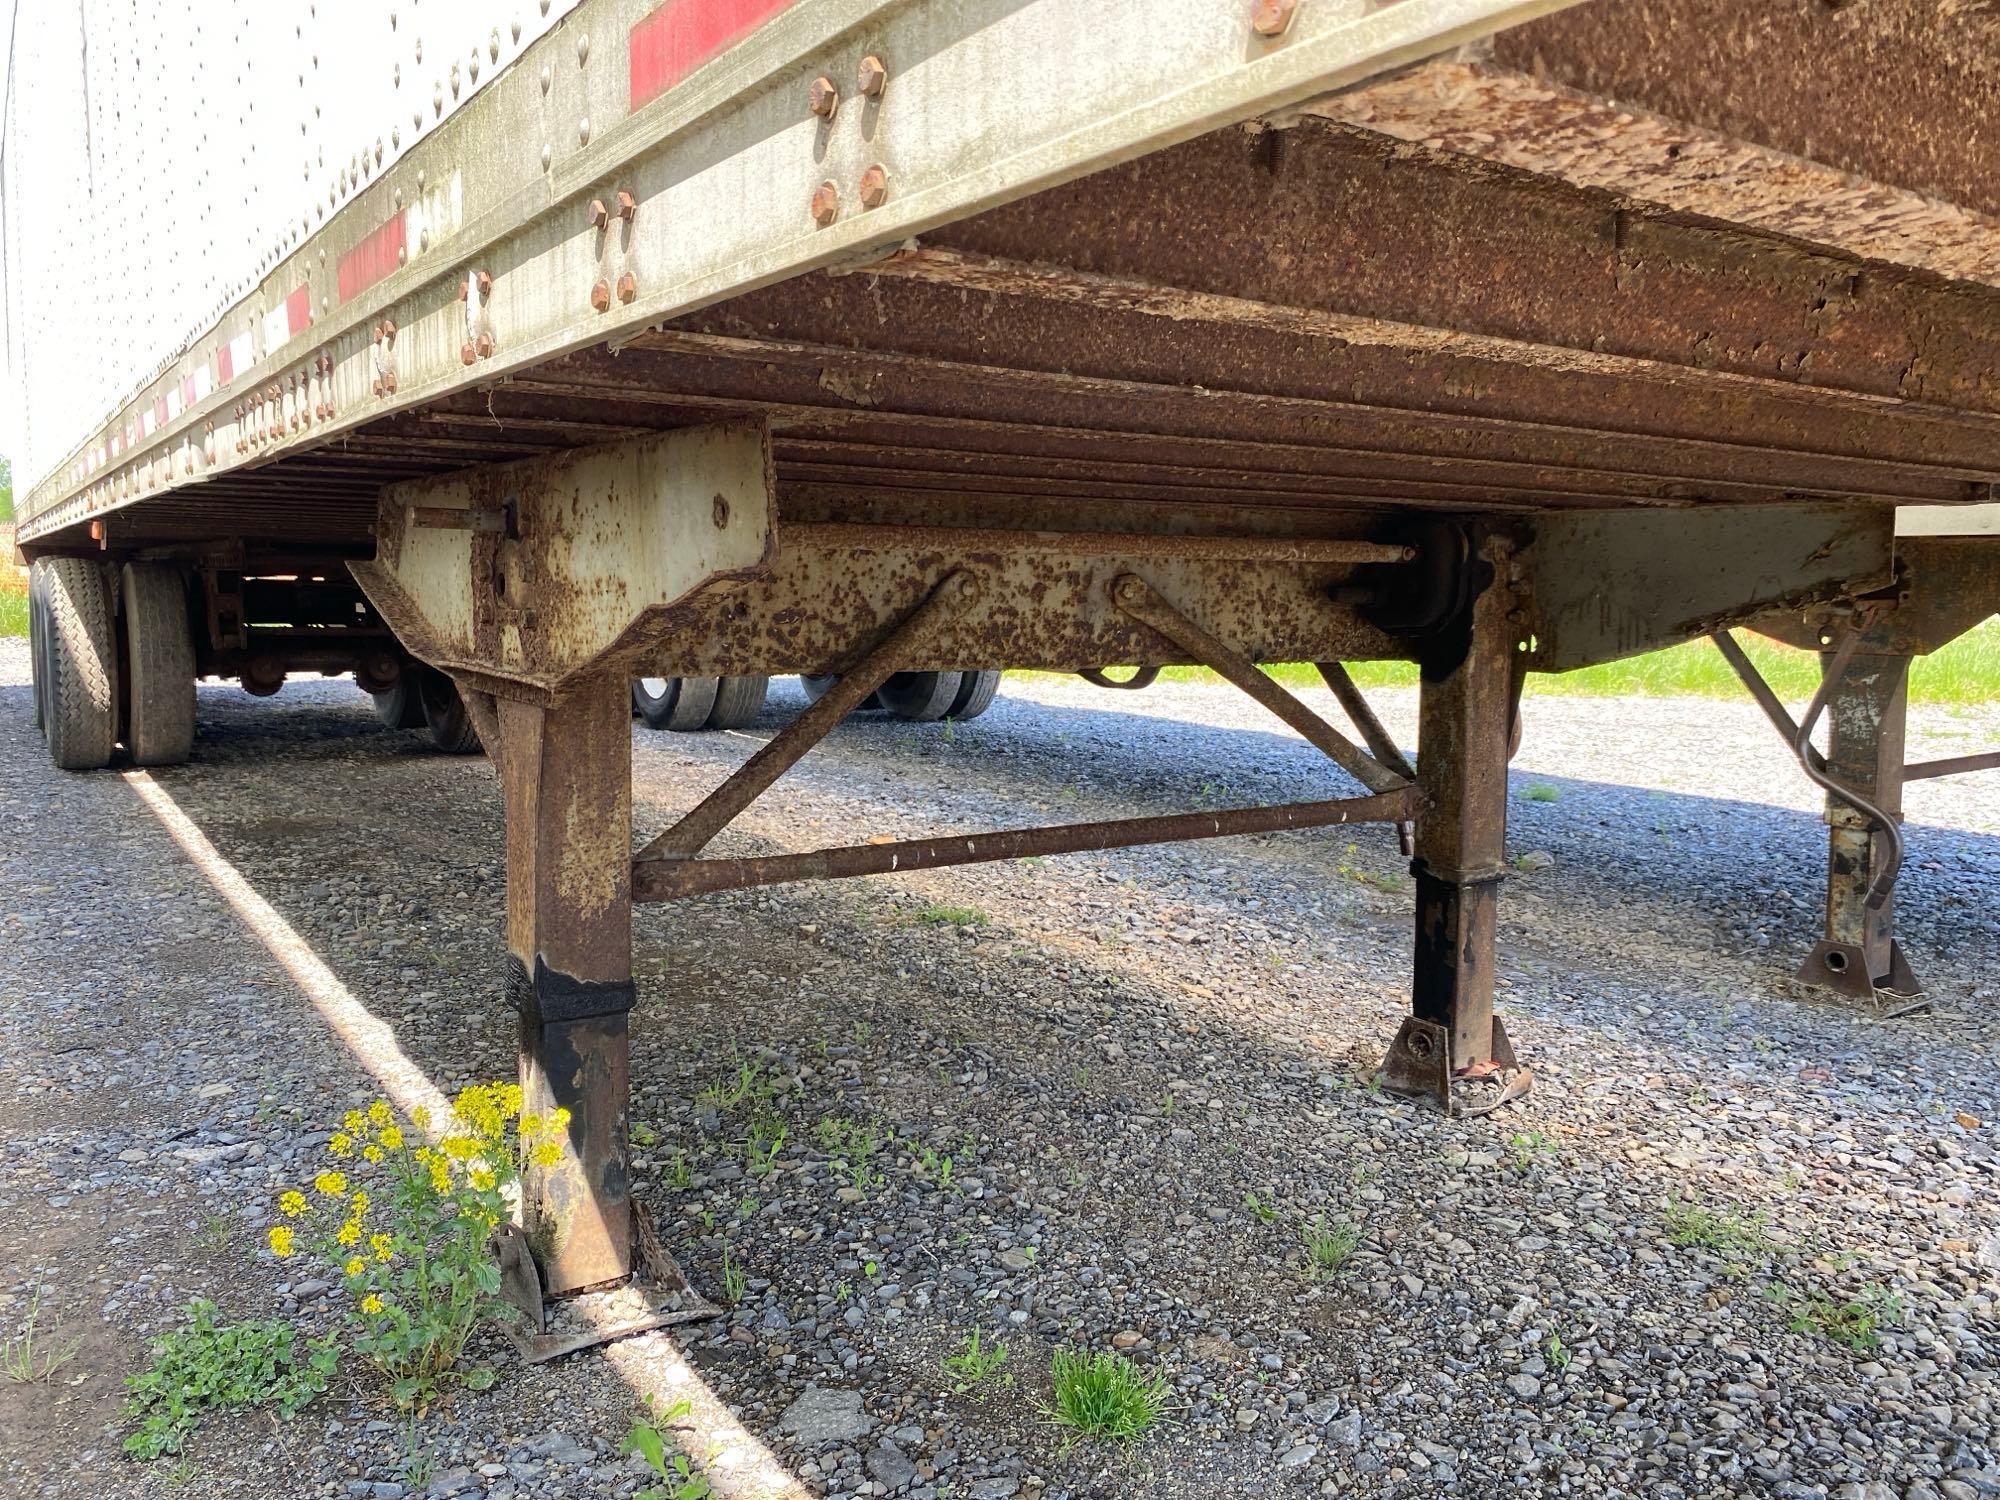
1105, 1395
1329, 1246
13, 611
1739, 1239
951, 916
1966, 671
1852, 1322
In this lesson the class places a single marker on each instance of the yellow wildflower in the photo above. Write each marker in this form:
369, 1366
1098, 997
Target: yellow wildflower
371, 1304
291, 1204
383, 1245
440, 1177
459, 1147
391, 1138
356, 1266
547, 1154
340, 1145
421, 1117
333, 1184
508, 1097
379, 1114
281, 1240
350, 1233
560, 1119
361, 1201
371, 1154
353, 1122
481, 1177
530, 1126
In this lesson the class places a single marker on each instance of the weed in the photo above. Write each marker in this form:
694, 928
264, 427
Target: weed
975, 1363
1104, 1395
734, 1282
952, 916
680, 1172
1558, 1354
1167, 1105
417, 1463
853, 1146
679, 1479
1526, 1147
747, 1206
749, 1083
1388, 881
1329, 1246
182, 1474
233, 1366
764, 1152
24, 1361
936, 1166
1792, 1181
643, 1135
1739, 1239
1261, 1211
214, 1234
842, 1293
1541, 791
1080, 1075
1854, 1322
871, 1270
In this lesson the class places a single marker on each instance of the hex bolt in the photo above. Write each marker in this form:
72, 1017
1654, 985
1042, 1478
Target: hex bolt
823, 97
967, 588
627, 205
485, 346
628, 287
875, 186
600, 296
1272, 18
465, 355
825, 204
600, 216
389, 382
485, 285
871, 76
1129, 589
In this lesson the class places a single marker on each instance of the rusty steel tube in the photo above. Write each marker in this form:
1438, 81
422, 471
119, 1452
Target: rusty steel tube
1760, 690
1956, 765
671, 879
864, 537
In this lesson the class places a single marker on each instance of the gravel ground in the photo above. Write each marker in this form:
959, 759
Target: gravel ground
1149, 1069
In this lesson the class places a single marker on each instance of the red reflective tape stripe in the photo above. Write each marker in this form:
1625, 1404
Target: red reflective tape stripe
299, 311
225, 367
371, 260
683, 34
187, 392
160, 411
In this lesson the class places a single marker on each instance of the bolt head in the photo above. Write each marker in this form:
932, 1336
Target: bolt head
600, 296
599, 214
871, 76
485, 346
1272, 18
627, 205
822, 97
874, 186
628, 287
485, 285
465, 355
389, 382
825, 204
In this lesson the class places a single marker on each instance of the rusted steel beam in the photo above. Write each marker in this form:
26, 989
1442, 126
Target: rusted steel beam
670, 880
1956, 765
1381, 744
862, 537
1141, 601
754, 777
566, 780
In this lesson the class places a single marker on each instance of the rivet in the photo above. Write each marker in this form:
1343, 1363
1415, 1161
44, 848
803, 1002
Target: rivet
628, 287
871, 76
600, 296
465, 354
822, 97
485, 345
825, 204
1272, 18
874, 186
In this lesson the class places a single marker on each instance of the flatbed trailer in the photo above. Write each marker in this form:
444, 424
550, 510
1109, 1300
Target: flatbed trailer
857, 338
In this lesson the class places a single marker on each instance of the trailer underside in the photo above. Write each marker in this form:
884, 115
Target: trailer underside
1543, 353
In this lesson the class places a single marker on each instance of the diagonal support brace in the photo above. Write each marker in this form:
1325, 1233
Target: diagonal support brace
755, 776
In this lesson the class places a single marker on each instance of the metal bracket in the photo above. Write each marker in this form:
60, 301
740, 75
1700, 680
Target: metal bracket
1418, 1066
1843, 968
656, 1295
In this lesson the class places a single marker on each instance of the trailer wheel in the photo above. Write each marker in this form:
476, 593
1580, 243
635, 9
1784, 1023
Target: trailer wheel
976, 691
676, 703
402, 706
81, 696
921, 697
159, 652
815, 689
738, 701
445, 716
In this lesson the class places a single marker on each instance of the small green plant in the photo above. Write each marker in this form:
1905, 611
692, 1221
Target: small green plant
29, 1359
871, 1270
679, 1478
764, 1152
952, 916
417, 1462
936, 1166
214, 1234
1167, 1105
1853, 1322
975, 1363
680, 1172
1541, 791
1739, 1239
853, 1145
1558, 1354
1104, 1395
1389, 881
1526, 1147
734, 1282
1261, 1211
1329, 1246
643, 1135
419, 1272
748, 1082
208, 1365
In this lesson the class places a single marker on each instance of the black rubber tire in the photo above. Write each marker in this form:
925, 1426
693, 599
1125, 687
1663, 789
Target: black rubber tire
38, 674
159, 654
921, 697
445, 714
402, 706
815, 689
82, 693
676, 703
976, 691
738, 701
